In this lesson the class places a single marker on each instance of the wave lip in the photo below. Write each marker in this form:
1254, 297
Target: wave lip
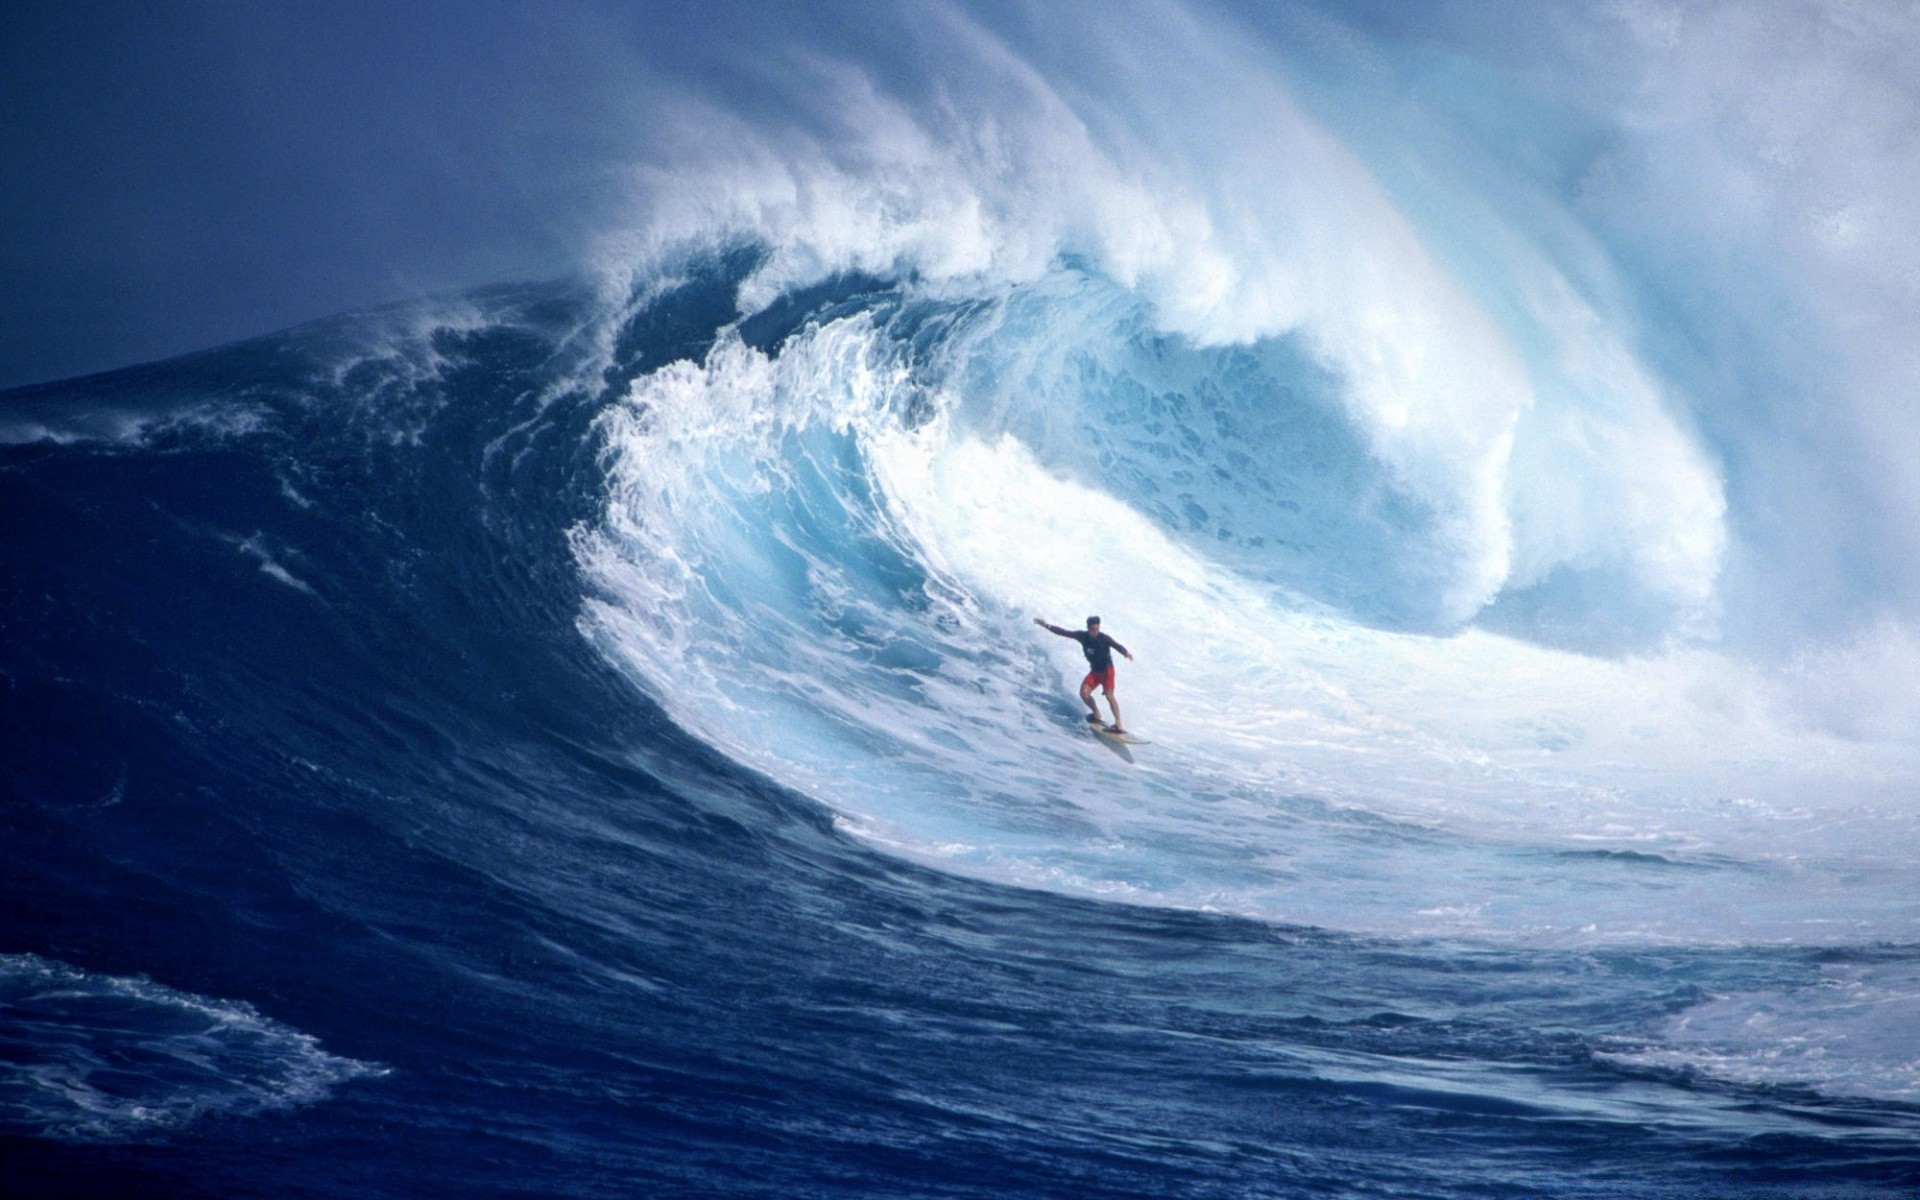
102, 1058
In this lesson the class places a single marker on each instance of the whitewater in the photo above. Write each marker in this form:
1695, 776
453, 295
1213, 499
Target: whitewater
1400, 504
622, 694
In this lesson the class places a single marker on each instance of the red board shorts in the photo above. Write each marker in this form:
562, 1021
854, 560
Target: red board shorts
1099, 679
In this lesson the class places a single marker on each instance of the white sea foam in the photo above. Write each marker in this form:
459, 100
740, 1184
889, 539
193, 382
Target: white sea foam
255, 548
122, 428
1855, 1031
102, 1058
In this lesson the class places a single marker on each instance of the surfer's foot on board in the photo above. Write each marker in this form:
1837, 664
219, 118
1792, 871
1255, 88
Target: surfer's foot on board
1093, 718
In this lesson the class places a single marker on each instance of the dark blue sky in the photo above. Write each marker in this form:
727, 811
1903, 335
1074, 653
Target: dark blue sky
183, 174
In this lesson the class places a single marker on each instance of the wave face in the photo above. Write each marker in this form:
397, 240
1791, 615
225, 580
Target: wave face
592, 738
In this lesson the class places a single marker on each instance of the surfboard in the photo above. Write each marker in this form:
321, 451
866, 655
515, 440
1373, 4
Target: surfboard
1106, 731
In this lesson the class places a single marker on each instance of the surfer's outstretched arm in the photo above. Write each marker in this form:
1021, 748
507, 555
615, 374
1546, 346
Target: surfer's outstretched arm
1054, 629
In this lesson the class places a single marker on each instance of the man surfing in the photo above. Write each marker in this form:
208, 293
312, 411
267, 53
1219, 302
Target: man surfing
1099, 649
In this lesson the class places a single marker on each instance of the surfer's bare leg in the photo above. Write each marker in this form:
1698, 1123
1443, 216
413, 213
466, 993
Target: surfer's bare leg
1115, 706
1086, 698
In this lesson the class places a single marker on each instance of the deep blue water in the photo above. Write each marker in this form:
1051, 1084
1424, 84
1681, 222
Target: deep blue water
343, 859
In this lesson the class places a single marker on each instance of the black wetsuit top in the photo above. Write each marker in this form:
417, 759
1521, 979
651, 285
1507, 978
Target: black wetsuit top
1098, 647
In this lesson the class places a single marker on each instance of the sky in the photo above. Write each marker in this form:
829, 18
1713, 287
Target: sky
186, 174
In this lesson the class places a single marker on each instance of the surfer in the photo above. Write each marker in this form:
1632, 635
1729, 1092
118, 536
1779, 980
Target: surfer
1099, 648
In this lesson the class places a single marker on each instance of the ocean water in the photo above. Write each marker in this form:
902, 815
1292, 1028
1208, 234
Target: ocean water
589, 738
